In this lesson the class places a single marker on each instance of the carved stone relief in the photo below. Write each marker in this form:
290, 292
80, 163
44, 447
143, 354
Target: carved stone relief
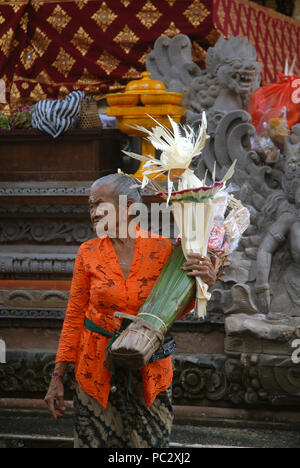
45, 231
243, 381
29, 210
23, 263
33, 298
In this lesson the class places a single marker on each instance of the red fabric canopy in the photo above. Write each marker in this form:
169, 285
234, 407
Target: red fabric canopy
48, 48
276, 37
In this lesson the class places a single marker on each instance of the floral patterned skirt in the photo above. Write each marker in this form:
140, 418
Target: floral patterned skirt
126, 422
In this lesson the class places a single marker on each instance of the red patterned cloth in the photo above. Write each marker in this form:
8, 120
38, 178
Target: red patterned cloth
275, 36
48, 48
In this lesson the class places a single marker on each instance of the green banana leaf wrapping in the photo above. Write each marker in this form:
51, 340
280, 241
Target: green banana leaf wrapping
170, 296
172, 293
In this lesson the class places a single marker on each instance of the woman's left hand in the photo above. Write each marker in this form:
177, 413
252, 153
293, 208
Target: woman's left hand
202, 267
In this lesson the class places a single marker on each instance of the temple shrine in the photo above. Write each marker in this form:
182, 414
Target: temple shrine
83, 85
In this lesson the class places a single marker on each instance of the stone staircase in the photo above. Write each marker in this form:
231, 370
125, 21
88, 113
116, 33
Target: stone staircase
193, 428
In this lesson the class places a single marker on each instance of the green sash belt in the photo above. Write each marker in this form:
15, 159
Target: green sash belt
93, 327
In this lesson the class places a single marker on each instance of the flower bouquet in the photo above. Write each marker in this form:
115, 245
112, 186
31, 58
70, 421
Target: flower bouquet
19, 119
196, 205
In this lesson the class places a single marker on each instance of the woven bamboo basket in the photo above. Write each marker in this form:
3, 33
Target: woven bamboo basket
135, 346
89, 116
170, 296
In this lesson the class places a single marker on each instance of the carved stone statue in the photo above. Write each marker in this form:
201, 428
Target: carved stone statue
264, 272
259, 293
286, 290
221, 90
275, 242
232, 73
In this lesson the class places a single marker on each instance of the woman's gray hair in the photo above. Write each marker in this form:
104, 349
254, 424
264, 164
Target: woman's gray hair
121, 184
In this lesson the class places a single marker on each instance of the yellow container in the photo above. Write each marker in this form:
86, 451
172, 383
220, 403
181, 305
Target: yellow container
143, 101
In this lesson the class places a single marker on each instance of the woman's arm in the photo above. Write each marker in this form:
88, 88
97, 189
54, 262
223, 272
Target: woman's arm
70, 337
75, 314
55, 395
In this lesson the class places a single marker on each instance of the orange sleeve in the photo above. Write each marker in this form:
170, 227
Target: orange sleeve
75, 314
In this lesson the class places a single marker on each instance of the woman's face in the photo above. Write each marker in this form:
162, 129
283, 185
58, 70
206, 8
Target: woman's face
105, 214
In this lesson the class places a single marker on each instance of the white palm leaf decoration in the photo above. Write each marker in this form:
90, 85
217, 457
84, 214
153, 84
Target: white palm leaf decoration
178, 148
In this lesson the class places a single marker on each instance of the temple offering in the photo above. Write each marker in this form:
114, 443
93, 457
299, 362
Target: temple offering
269, 101
199, 208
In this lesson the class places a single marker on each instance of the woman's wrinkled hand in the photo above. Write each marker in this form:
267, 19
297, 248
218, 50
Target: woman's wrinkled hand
202, 267
55, 398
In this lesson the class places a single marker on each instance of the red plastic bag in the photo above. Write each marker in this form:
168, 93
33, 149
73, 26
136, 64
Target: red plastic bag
270, 101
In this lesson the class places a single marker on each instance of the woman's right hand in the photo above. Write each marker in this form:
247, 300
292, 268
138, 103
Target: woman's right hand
55, 398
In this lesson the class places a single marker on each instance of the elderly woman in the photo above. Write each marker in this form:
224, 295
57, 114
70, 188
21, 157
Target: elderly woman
115, 273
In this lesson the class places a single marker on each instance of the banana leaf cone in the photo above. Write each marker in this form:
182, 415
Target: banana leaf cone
168, 299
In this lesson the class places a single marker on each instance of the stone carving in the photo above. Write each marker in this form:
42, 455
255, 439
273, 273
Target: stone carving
42, 308
282, 237
36, 265
29, 372
232, 73
248, 380
33, 298
229, 141
46, 189
268, 257
222, 90
199, 378
261, 287
265, 380
42, 232
36, 210
32, 314
215, 380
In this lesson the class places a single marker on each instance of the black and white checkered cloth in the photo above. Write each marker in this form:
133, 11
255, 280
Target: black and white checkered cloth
56, 117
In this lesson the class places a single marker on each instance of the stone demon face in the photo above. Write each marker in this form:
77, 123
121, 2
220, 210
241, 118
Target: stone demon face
234, 63
238, 75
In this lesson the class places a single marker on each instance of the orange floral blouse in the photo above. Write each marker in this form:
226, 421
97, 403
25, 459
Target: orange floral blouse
98, 290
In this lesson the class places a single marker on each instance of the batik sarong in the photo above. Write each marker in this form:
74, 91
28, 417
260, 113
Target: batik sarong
126, 422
